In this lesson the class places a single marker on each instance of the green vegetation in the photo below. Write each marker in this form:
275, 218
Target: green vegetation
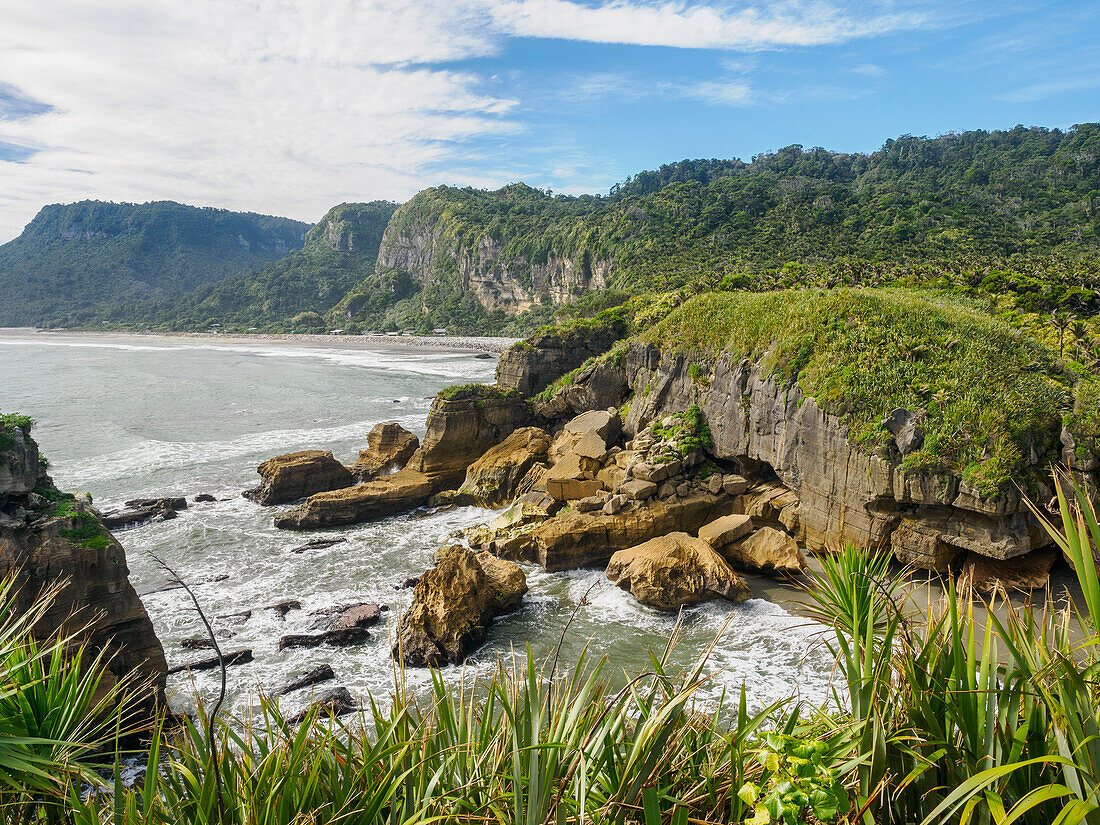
939, 716
992, 393
688, 427
477, 392
87, 262
9, 422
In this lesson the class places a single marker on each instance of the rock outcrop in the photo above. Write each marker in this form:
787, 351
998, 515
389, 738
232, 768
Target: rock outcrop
453, 604
768, 550
493, 479
675, 570
389, 448
397, 493
139, 510
534, 364
295, 476
50, 539
461, 426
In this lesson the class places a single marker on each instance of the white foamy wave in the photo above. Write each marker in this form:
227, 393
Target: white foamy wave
148, 456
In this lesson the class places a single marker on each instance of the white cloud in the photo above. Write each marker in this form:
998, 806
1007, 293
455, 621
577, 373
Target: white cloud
1041, 91
868, 70
699, 26
719, 92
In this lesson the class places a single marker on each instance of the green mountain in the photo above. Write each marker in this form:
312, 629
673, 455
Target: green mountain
293, 292
79, 263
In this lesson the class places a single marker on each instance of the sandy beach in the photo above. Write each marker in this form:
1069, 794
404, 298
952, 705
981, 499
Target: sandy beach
457, 342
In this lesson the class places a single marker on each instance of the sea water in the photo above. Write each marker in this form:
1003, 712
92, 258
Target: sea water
123, 417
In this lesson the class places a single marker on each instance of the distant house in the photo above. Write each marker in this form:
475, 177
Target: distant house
335, 332
392, 333
439, 331
409, 332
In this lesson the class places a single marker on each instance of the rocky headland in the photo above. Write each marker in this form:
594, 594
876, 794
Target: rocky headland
55, 541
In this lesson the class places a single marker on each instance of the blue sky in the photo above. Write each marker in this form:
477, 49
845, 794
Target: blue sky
290, 107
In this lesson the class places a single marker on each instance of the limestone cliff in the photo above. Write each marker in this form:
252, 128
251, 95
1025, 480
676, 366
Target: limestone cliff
50, 539
434, 242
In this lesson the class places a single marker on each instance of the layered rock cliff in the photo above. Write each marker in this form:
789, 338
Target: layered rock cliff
49, 539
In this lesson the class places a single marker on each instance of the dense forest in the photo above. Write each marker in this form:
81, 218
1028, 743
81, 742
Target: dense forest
76, 264
1014, 211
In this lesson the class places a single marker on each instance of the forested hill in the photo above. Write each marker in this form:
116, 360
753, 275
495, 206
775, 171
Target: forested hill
1002, 195
1014, 211
75, 262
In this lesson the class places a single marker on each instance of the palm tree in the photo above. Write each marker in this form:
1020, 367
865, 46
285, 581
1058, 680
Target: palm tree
1060, 322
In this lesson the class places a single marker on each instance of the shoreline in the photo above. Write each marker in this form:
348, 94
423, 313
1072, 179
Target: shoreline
494, 345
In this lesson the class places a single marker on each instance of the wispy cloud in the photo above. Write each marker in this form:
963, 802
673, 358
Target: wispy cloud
1041, 91
868, 70
701, 26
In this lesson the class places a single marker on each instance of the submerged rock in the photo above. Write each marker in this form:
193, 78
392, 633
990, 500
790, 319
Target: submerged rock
317, 544
341, 637
673, 571
452, 606
336, 701
294, 476
316, 676
363, 614
237, 657
139, 510
389, 448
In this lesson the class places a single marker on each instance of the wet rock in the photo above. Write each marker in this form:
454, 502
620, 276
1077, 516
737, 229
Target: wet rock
317, 544
197, 643
167, 588
452, 606
240, 617
337, 638
389, 448
397, 493
409, 582
769, 550
168, 502
139, 510
494, 478
316, 676
363, 614
238, 657
1019, 574
294, 476
203, 498
336, 701
726, 530
284, 607
670, 572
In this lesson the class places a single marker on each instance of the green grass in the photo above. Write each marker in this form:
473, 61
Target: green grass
9, 423
991, 392
477, 392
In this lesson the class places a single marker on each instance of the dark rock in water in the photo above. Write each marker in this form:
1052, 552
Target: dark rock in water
317, 544
284, 607
336, 701
343, 617
238, 657
409, 582
197, 643
336, 638
170, 503
204, 497
314, 677
167, 588
483, 356
397, 493
294, 476
236, 618
144, 509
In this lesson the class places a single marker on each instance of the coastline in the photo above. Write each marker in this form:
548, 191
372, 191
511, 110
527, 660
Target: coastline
452, 342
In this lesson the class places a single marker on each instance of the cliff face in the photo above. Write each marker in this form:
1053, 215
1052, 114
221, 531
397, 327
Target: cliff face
845, 494
431, 246
48, 539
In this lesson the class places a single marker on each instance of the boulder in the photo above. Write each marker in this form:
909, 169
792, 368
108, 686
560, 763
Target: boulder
343, 617
1021, 573
284, 607
591, 445
573, 477
317, 544
769, 550
571, 539
204, 498
670, 572
336, 701
139, 510
592, 503
615, 504
316, 676
452, 606
494, 478
294, 476
726, 530
397, 493
605, 423
638, 489
237, 657
342, 637
389, 448
734, 485
907, 427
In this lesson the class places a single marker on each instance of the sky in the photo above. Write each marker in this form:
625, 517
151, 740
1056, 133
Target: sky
288, 107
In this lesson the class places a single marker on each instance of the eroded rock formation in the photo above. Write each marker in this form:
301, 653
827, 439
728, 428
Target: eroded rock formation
389, 448
295, 476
